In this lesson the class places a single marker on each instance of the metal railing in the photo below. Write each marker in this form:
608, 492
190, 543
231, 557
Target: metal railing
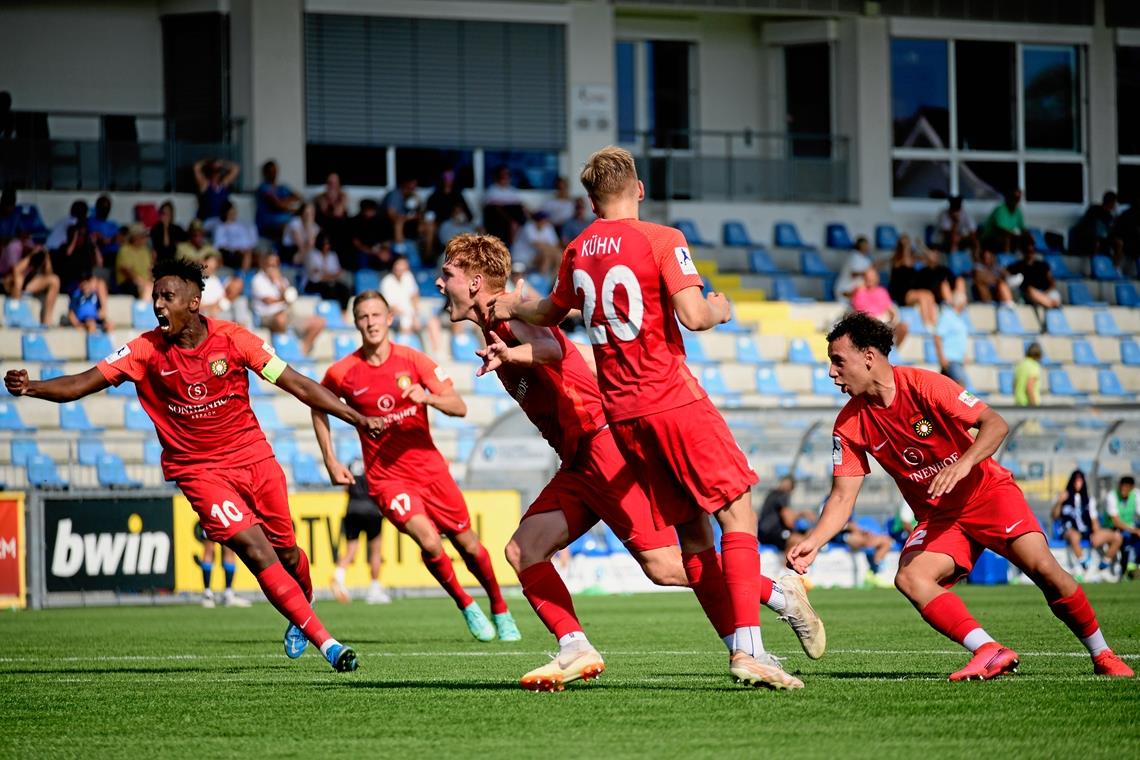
743, 165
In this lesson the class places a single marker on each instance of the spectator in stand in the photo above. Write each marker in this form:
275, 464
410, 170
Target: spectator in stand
221, 298
951, 340
874, 546
77, 259
58, 235
402, 292
577, 223
324, 276
1126, 229
779, 525
370, 235
906, 286
214, 178
1122, 513
441, 206
1037, 285
956, 228
196, 247
134, 263
939, 280
332, 215
1027, 378
276, 204
405, 213
272, 297
235, 239
872, 298
87, 308
300, 235
103, 229
9, 214
458, 224
1076, 511
25, 268
991, 281
1004, 228
559, 207
537, 245
503, 211
1093, 234
165, 235
851, 275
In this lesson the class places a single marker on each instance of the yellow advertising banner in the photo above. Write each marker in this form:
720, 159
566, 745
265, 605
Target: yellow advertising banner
13, 589
317, 517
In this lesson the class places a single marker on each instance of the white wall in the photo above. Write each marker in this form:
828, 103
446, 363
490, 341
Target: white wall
104, 57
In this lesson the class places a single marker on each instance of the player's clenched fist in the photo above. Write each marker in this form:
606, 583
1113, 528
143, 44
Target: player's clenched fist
373, 426
503, 306
416, 393
16, 381
720, 307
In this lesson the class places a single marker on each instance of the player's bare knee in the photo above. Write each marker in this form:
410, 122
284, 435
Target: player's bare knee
514, 555
665, 573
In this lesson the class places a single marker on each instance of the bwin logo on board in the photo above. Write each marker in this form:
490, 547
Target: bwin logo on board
131, 552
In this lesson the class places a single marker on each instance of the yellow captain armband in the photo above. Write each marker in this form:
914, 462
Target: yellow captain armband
273, 369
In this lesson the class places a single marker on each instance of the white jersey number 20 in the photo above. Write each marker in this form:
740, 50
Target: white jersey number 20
623, 329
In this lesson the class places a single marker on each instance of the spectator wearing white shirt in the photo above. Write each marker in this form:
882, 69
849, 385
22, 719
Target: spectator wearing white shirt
221, 297
271, 297
402, 292
300, 235
323, 273
537, 245
560, 206
235, 239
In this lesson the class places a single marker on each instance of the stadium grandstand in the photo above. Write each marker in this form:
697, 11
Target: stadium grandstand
788, 141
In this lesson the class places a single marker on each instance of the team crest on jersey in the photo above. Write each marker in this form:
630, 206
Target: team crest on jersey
218, 366
403, 382
922, 426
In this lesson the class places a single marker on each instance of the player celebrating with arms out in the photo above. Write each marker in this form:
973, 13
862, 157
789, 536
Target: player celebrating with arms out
632, 280
555, 387
916, 424
407, 476
190, 373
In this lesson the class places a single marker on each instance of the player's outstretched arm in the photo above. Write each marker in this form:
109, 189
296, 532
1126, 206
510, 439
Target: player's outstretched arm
992, 430
316, 396
699, 313
339, 475
836, 512
59, 389
536, 311
537, 346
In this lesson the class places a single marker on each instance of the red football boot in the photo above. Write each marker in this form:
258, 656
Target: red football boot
1107, 663
990, 661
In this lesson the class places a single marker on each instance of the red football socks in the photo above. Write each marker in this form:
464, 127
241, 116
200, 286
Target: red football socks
547, 594
1075, 611
947, 614
441, 569
740, 554
707, 581
765, 589
301, 573
480, 567
282, 590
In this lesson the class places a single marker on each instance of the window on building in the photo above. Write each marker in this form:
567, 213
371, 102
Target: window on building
1127, 135
807, 95
656, 96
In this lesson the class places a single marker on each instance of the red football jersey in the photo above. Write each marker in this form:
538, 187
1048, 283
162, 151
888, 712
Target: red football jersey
561, 399
198, 398
622, 274
405, 448
925, 429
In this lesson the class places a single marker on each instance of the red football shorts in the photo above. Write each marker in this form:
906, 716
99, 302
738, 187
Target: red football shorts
599, 484
990, 521
437, 497
686, 460
230, 499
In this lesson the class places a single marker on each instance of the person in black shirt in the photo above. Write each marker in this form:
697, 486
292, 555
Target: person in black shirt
777, 525
1037, 286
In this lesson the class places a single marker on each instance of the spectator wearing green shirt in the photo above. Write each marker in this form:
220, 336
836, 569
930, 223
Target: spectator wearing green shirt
1027, 378
1121, 514
1005, 226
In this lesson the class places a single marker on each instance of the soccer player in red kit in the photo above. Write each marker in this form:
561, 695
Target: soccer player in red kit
407, 476
916, 424
190, 373
556, 389
632, 280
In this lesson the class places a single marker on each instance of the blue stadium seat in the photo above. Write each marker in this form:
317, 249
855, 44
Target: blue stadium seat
288, 347
10, 417
347, 448
1108, 384
799, 352
961, 263
344, 344
985, 353
1129, 353
785, 235
135, 418
489, 386
284, 449
1084, 355
142, 315
540, 283
410, 339
1104, 269
18, 313
712, 380
306, 471
1060, 384
589, 545
1009, 323
112, 473
1046, 360
1079, 293
1006, 260
1005, 382
1126, 294
257, 386
694, 349
366, 279
1105, 324
747, 352
43, 474
1039, 241
89, 450
152, 451
689, 229
784, 289
822, 384
735, 234
32, 221
266, 414
51, 371
410, 251
811, 264
425, 279
22, 450
914, 323
838, 237
34, 348
1060, 269
759, 262
463, 347
929, 352
1056, 323
768, 384
73, 416
886, 237
99, 346
928, 236
333, 316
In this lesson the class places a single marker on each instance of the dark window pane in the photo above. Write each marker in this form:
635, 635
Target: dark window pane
920, 93
986, 180
1054, 183
1128, 183
530, 170
356, 164
1051, 97
668, 64
920, 179
1127, 95
427, 164
807, 87
626, 60
985, 95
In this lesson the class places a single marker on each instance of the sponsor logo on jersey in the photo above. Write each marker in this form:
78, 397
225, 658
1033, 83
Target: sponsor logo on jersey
912, 456
688, 266
836, 451
119, 354
386, 402
196, 392
218, 365
922, 425
403, 382
967, 398
926, 473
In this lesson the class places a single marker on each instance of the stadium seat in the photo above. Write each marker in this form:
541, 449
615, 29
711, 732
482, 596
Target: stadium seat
1056, 323
73, 416
1126, 294
366, 279
799, 352
112, 473
89, 450
32, 221
712, 380
747, 352
929, 352
886, 237
22, 450
1006, 260
1060, 269
34, 348
142, 315
463, 347
1129, 353
759, 262
306, 471
694, 349
135, 418
10, 418
1005, 382
838, 237
811, 264
1105, 324
1039, 241
43, 474
18, 313
768, 384
1108, 384
331, 313
410, 339
152, 451
257, 386
692, 235
266, 414
785, 235
961, 263
1079, 293
822, 384
929, 236
914, 323
288, 347
285, 449
986, 354
1060, 384
1046, 359
99, 346
540, 283
1009, 323
589, 545
343, 345
49, 371
347, 448
1104, 269
1084, 355
735, 234
784, 289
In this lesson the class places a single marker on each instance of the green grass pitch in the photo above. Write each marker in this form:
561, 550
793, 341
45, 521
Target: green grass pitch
188, 682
